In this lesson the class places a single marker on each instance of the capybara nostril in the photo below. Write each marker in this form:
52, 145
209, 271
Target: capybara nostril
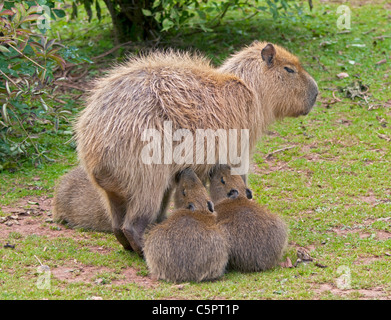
210, 206
233, 194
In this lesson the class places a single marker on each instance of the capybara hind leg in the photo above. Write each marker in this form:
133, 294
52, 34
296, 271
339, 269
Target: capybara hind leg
118, 210
164, 205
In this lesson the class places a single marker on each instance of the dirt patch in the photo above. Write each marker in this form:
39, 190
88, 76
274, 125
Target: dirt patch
373, 293
32, 216
85, 273
377, 234
131, 276
78, 273
366, 260
101, 250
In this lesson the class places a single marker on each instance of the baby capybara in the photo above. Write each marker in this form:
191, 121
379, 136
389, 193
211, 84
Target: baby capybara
188, 245
256, 237
78, 202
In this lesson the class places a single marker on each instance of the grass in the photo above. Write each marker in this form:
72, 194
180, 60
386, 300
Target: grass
332, 187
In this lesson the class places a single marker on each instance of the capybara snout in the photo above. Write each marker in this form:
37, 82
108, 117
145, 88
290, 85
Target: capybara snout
224, 185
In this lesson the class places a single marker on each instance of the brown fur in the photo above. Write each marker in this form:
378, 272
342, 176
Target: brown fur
78, 202
256, 237
188, 246
249, 91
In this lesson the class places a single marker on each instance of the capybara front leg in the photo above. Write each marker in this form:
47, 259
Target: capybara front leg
135, 233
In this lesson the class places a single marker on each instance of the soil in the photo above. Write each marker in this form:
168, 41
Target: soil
33, 216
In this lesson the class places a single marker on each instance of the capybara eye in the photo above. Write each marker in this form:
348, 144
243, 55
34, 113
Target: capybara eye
222, 180
184, 192
289, 70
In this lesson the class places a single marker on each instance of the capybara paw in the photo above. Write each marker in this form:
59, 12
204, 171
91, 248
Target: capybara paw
135, 241
122, 239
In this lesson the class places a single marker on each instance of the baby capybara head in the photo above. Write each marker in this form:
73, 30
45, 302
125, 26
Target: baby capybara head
190, 193
224, 185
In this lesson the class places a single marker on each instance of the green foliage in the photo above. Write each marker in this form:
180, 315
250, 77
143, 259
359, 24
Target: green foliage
28, 64
148, 19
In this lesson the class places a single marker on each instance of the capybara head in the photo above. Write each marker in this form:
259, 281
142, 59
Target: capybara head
276, 77
295, 90
224, 185
190, 193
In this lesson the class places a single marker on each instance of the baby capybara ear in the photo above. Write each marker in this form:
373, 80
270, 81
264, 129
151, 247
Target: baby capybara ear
178, 176
249, 194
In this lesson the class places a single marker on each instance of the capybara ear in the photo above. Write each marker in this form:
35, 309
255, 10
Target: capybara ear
178, 176
211, 206
268, 54
249, 194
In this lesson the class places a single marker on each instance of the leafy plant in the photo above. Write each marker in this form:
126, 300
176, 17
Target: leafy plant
28, 61
148, 19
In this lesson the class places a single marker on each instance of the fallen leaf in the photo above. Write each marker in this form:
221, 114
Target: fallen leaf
320, 265
342, 75
303, 254
297, 262
287, 263
383, 136
381, 62
358, 45
11, 246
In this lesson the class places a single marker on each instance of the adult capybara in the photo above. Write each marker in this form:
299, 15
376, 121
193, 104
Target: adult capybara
78, 202
254, 87
188, 245
256, 237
